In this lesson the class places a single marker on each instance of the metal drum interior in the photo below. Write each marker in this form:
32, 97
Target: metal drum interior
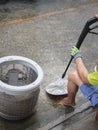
20, 79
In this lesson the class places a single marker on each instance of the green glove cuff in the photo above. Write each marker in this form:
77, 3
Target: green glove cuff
77, 56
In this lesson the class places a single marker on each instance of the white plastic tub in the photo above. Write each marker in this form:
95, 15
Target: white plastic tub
20, 79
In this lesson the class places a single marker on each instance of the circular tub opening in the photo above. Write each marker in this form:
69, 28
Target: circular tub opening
20, 79
17, 73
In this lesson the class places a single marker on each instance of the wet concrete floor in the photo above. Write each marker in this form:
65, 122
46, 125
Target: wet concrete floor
45, 31
27, 8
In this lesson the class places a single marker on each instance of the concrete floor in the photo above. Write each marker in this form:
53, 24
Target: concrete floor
46, 34
82, 121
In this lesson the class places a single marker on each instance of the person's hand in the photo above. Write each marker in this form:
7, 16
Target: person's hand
96, 15
75, 52
97, 65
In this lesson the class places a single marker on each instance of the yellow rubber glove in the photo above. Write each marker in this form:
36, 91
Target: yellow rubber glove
75, 52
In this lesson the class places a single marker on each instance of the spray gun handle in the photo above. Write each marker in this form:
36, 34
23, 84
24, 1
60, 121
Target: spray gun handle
86, 30
83, 34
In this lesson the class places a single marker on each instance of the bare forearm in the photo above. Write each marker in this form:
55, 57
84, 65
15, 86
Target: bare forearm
81, 69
